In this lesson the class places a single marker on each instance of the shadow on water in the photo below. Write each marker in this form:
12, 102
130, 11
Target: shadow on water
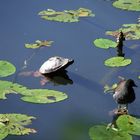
59, 78
85, 82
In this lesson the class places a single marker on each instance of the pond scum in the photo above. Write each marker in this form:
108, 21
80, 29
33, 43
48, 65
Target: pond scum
123, 126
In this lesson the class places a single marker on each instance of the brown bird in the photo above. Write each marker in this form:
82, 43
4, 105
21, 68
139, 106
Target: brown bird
124, 93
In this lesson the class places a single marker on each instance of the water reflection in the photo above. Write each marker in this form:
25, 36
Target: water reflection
59, 78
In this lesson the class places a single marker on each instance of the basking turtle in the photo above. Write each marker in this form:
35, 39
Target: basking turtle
52, 70
55, 64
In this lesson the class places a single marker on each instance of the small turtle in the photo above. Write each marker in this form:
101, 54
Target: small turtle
52, 70
55, 64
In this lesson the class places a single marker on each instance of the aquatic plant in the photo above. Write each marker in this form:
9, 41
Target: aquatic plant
14, 124
126, 127
31, 95
6, 68
39, 44
104, 43
108, 88
129, 124
117, 62
66, 15
131, 31
100, 132
132, 5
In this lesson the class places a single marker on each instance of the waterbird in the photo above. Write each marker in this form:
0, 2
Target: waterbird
124, 93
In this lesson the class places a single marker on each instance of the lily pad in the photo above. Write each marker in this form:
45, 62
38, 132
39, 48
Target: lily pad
129, 124
39, 44
104, 43
133, 5
7, 87
14, 124
43, 96
3, 131
117, 62
131, 31
108, 89
6, 68
31, 95
99, 132
66, 15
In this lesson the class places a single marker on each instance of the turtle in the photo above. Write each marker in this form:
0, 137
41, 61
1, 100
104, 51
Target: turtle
55, 64
52, 70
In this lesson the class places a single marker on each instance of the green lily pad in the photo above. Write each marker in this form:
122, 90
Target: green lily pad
138, 77
117, 62
66, 15
7, 87
14, 124
31, 95
131, 31
133, 5
99, 132
104, 43
6, 68
108, 88
129, 124
39, 44
3, 131
44, 96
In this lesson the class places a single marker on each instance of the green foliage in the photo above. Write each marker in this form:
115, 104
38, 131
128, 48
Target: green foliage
7, 87
66, 15
43, 96
117, 62
14, 124
6, 68
39, 44
31, 95
104, 43
99, 132
126, 126
132, 31
108, 88
129, 124
133, 5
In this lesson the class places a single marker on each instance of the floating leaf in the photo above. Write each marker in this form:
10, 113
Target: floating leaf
104, 43
129, 124
99, 132
138, 77
117, 62
3, 131
6, 68
44, 96
133, 5
108, 89
14, 124
5, 88
39, 44
66, 15
31, 95
131, 31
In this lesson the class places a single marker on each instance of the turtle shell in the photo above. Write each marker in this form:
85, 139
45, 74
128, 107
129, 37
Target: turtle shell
54, 64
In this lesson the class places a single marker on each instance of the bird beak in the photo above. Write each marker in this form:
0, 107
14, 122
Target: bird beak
135, 85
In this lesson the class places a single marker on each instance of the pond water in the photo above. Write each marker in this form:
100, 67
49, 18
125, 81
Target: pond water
87, 105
